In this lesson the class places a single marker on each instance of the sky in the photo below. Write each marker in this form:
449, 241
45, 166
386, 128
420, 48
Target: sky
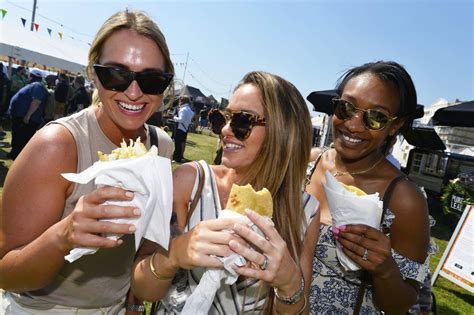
309, 43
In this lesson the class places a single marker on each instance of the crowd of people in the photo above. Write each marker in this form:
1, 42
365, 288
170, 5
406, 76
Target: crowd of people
29, 100
291, 262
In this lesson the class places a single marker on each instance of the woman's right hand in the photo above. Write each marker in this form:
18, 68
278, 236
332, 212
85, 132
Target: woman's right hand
200, 246
87, 222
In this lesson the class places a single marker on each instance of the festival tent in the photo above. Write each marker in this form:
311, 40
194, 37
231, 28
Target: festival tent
23, 44
461, 115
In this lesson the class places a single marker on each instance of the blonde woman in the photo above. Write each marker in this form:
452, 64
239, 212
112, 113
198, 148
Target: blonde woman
44, 216
266, 136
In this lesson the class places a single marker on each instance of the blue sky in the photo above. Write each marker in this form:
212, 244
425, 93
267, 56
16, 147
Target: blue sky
310, 43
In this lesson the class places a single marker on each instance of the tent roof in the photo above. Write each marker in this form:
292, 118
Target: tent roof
193, 92
26, 45
461, 115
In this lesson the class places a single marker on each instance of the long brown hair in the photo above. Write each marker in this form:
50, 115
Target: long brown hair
281, 163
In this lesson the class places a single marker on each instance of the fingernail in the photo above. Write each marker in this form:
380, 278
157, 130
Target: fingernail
342, 227
119, 241
249, 212
136, 211
335, 230
132, 228
129, 194
236, 227
336, 236
234, 244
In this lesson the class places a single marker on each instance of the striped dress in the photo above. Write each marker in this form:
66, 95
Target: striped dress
240, 297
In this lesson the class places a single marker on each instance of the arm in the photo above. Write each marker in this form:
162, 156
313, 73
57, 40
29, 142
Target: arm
33, 237
191, 249
33, 107
409, 236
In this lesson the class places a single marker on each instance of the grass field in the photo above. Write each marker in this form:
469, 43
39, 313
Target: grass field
450, 298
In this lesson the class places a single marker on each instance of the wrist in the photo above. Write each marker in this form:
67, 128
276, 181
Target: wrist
294, 296
139, 308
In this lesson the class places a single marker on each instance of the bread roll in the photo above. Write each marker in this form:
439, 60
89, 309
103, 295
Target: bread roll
245, 197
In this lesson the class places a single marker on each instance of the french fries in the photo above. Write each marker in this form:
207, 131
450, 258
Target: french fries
135, 149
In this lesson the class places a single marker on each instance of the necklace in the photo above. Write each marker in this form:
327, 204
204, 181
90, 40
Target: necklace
339, 173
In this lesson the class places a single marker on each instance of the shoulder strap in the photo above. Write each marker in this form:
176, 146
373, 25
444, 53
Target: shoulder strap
197, 196
389, 191
153, 136
309, 173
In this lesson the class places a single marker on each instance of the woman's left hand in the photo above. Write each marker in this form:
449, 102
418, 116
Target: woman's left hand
271, 261
366, 246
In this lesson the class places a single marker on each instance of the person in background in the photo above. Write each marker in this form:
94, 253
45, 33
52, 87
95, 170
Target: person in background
80, 98
255, 152
43, 216
61, 94
19, 80
182, 121
26, 111
203, 118
374, 102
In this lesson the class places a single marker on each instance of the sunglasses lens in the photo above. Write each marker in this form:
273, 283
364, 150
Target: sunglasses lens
344, 110
153, 82
150, 82
375, 119
217, 121
241, 125
113, 79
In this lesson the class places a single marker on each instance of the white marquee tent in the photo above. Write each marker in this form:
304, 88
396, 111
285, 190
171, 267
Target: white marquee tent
24, 44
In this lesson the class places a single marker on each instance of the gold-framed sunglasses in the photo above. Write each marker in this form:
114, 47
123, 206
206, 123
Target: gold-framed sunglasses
241, 122
373, 119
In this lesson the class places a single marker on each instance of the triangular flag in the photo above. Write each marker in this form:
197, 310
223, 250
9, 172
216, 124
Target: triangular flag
60, 35
36, 26
49, 31
4, 12
23, 21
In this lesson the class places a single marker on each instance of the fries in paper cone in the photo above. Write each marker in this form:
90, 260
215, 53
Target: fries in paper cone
148, 176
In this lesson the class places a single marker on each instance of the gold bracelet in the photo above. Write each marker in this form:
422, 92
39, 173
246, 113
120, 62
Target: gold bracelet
153, 270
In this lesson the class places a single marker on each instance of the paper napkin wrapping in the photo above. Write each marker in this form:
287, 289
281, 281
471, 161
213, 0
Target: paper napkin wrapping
348, 208
200, 301
149, 178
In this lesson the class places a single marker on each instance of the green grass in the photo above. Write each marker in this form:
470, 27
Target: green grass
450, 298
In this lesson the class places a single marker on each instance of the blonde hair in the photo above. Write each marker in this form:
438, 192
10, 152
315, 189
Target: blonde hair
134, 20
286, 148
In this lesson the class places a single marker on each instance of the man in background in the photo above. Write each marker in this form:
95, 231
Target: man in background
26, 110
183, 120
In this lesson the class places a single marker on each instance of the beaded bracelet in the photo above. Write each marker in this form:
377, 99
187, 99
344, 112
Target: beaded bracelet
291, 300
156, 274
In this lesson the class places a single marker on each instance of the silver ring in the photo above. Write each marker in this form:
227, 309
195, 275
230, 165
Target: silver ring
264, 265
366, 255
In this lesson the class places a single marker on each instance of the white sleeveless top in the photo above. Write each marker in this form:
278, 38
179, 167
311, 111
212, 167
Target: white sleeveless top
230, 299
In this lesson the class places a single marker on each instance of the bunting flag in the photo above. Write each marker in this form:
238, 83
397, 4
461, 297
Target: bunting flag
4, 12
60, 35
36, 26
23, 21
49, 31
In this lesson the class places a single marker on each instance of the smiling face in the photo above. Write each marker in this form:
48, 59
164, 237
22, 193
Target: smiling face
240, 154
128, 110
352, 139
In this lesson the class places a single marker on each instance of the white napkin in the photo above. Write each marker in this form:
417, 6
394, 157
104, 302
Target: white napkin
348, 208
200, 301
149, 178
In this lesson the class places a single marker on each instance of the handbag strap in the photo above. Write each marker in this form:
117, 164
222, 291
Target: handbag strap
197, 196
365, 276
153, 136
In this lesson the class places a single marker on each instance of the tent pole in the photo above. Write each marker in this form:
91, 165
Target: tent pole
33, 15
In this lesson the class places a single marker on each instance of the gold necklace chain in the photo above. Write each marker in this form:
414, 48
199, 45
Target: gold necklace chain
339, 173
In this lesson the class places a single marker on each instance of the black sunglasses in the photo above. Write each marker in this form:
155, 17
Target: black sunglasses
116, 79
373, 119
241, 122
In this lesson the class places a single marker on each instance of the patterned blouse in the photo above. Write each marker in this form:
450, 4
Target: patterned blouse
334, 291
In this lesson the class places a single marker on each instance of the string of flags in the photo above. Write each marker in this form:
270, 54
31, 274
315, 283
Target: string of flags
37, 26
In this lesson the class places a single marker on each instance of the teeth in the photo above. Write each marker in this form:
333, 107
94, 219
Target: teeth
130, 107
351, 139
232, 146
